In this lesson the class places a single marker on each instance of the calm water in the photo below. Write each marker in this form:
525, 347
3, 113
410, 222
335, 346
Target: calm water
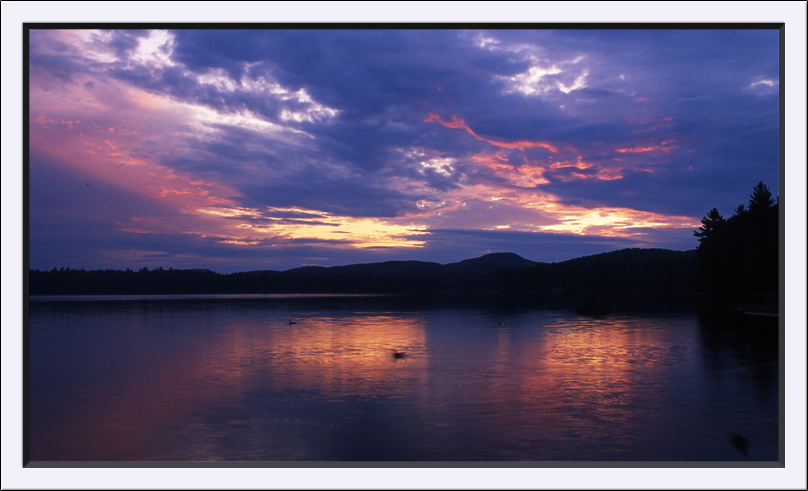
230, 379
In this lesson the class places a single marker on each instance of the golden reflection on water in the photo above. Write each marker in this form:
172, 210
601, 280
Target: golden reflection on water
252, 386
541, 391
340, 356
594, 374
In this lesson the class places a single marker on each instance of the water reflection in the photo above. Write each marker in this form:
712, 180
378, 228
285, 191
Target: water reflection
236, 381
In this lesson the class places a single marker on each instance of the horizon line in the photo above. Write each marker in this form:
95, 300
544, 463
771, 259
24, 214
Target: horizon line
157, 268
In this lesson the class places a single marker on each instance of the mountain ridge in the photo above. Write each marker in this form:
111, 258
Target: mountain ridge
505, 259
499, 259
626, 269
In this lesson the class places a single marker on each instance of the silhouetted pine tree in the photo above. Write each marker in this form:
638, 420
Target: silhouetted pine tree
741, 253
712, 223
760, 201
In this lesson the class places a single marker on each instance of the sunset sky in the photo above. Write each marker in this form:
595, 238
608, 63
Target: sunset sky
270, 149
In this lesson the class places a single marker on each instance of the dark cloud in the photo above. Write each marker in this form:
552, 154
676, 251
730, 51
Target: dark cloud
376, 78
688, 119
122, 42
339, 196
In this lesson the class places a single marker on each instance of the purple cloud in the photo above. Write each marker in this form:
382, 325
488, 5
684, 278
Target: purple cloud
241, 142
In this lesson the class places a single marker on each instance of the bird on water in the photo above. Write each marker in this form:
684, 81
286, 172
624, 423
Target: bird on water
398, 354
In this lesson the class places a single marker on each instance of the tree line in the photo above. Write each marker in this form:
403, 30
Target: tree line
740, 254
627, 269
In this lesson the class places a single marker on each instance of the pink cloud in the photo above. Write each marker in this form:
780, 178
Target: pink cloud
459, 123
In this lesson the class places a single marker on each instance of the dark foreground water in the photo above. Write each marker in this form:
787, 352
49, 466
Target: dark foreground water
228, 378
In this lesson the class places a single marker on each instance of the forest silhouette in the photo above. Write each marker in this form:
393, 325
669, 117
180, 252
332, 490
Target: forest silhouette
735, 255
740, 254
627, 269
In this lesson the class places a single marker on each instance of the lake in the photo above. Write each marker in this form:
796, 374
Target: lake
314, 378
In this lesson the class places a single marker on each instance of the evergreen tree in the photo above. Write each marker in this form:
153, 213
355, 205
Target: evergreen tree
741, 253
760, 201
712, 222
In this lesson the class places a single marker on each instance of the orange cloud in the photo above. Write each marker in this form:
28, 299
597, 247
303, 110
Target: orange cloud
636, 149
460, 124
489, 205
527, 175
657, 124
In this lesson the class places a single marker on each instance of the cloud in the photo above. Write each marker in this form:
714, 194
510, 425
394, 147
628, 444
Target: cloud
242, 139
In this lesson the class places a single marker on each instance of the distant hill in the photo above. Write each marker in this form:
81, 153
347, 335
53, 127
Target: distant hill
626, 269
479, 265
383, 268
491, 262
633, 254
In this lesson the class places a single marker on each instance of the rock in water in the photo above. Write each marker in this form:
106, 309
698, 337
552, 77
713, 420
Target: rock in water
740, 443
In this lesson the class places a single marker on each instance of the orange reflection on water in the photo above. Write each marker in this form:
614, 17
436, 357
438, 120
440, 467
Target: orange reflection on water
596, 361
246, 383
346, 355
577, 379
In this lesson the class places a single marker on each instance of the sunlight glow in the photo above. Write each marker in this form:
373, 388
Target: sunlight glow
155, 50
198, 157
765, 81
441, 166
544, 76
251, 225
